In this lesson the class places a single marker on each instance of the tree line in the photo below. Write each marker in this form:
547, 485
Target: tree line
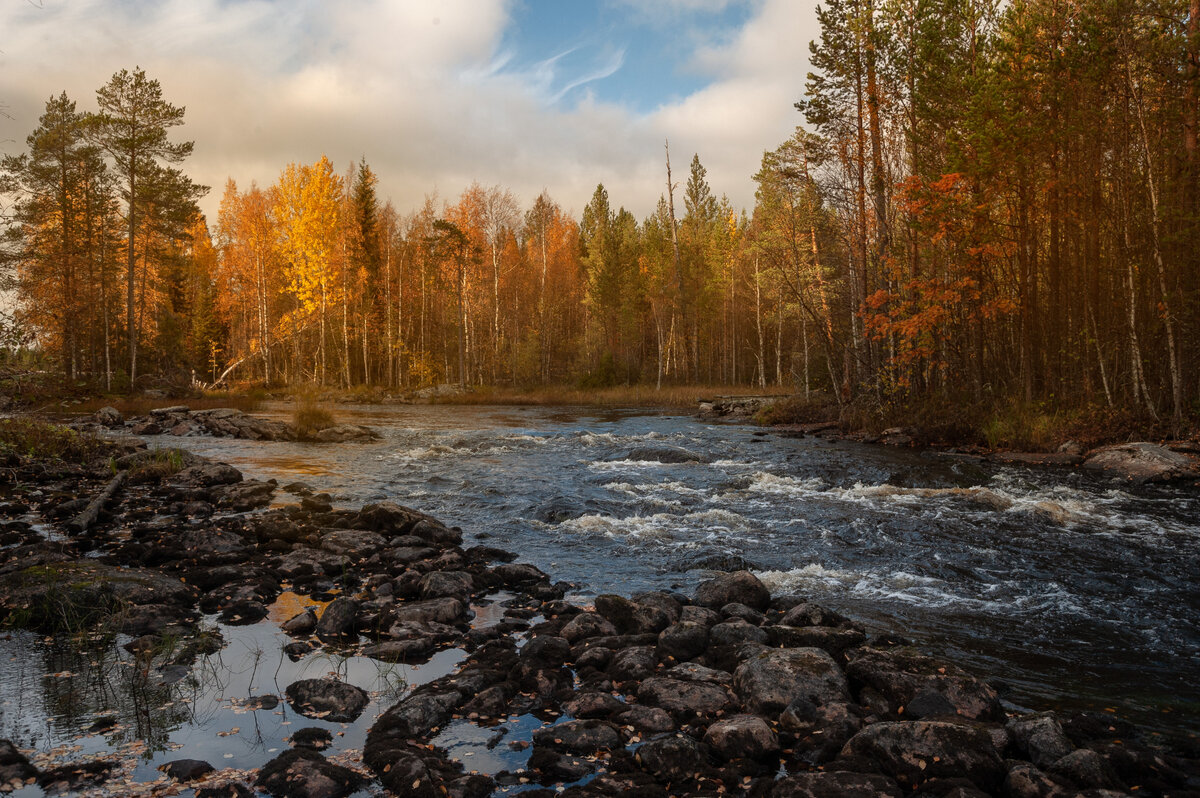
989, 202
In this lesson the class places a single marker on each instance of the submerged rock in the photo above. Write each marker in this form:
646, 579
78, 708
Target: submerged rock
327, 699
302, 773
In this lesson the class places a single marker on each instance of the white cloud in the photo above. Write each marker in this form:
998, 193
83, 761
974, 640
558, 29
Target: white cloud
422, 89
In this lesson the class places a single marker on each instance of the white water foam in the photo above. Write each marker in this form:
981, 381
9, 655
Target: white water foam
678, 530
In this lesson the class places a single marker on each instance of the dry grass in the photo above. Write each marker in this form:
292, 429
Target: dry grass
35, 439
140, 405
311, 417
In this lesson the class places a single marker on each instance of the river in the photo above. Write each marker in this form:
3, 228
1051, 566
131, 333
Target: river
1071, 590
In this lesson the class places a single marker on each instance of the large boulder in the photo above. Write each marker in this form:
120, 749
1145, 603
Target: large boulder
673, 759
742, 737
772, 679
741, 587
924, 687
1139, 462
685, 699
1040, 737
836, 784
337, 623
301, 773
914, 752
579, 736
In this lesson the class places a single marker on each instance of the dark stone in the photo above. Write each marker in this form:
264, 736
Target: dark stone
233, 789
548, 649
683, 641
14, 766
300, 625
389, 518
592, 704
76, 776
438, 534
356, 544
646, 719
736, 632
742, 587
337, 623
439, 584
519, 574
914, 752
807, 614
1088, 769
312, 738
673, 759
630, 617
685, 699
587, 624
579, 736
633, 664
834, 641
702, 615
244, 612
836, 784
558, 766
1040, 737
300, 773
412, 650
1026, 781
327, 699
742, 736
900, 676
440, 610
820, 732
186, 769
770, 681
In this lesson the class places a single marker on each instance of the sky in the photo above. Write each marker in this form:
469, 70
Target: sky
531, 95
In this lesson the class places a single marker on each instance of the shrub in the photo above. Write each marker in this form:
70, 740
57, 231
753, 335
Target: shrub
28, 437
311, 417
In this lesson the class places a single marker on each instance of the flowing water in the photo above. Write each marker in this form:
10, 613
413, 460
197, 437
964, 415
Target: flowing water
1069, 590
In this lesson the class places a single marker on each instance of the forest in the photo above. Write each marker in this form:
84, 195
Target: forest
982, 204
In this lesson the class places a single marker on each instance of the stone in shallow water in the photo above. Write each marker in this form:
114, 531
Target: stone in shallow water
300, 773
327, 699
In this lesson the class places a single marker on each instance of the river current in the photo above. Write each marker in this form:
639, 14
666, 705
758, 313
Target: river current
1067, 589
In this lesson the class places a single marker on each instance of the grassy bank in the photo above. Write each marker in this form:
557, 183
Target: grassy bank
1017, 426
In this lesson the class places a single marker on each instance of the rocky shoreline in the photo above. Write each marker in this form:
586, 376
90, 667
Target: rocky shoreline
727, 691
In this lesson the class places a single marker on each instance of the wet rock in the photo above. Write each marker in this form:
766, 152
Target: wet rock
243, 613
441, 610
673, 759
585, 625
208, 474
490, 703
266, 701
1087, 769
579, 736
820, 731
548, 649
327, 699
356, 544
736, 632
662, 601
682, 641
440, 584
633, 664
312, 738
14, 767
592, 704
1086, 727
808, 614
337, 623
186, 769
770, 681
901, 676
629, 617
233, 789
439, 534
663, 454
317, 503
345, 433
1027, 781
389, 518
558, 766
694, 672
301, 625
742, 736
833, 641
1040, 737
413, 650
1139, 462
836, 784
702, 615
415, 716
736, 611
297, 649
652, 720
300, 773
404, 773
914, 752
685, 699
742, 587
519, 575
247, 495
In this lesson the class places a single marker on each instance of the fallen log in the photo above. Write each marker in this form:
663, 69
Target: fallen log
85, 519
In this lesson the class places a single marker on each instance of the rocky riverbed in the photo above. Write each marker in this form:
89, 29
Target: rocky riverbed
729, 690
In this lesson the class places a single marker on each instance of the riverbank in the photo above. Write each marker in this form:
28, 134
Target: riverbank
658, 693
